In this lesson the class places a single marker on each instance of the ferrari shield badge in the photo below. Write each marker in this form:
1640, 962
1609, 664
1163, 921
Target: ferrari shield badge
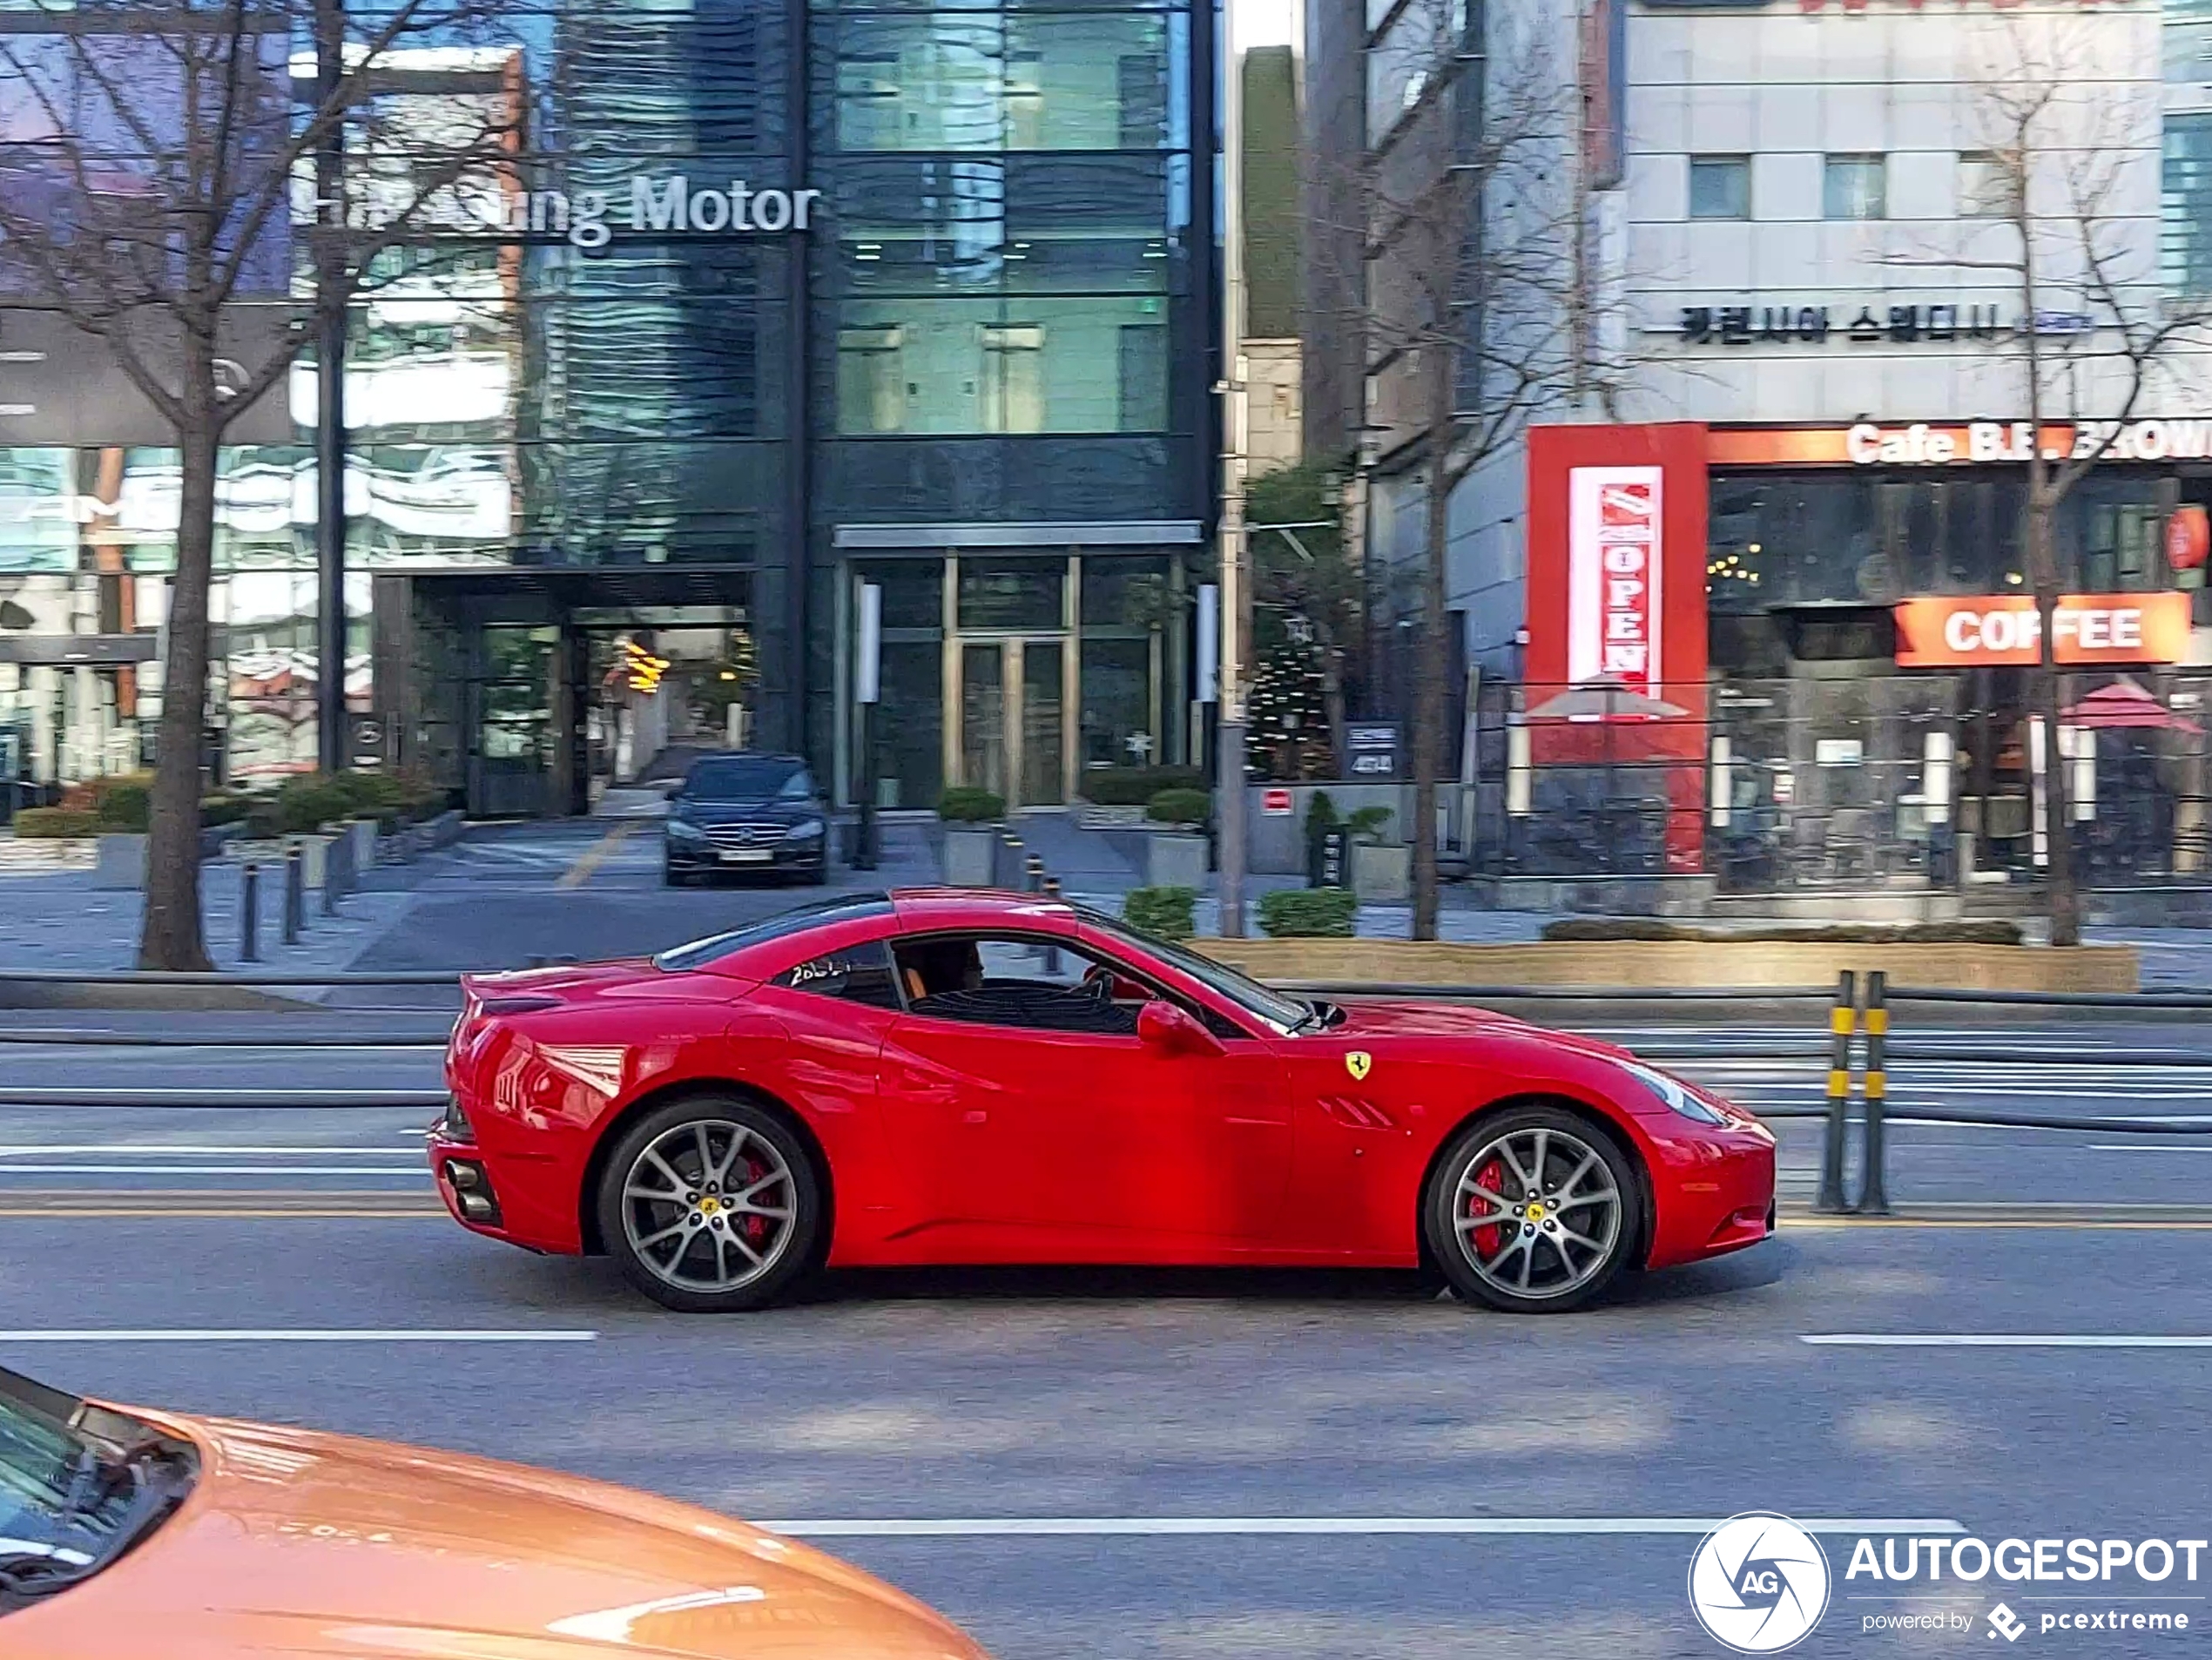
1358, 1063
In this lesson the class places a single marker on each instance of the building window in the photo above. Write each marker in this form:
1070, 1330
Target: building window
1855, 188
977, 81
2185, 231
871, 390
1013, 378
1051, 364
1720, 187
1987, 188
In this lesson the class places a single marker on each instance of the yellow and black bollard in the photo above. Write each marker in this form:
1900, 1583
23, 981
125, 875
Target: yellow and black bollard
1873, 1187
1843, 1019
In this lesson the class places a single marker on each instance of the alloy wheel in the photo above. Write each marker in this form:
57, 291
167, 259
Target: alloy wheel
708, 1205
1537, 1214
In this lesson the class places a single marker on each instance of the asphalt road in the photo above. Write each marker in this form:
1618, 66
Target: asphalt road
1343, 1404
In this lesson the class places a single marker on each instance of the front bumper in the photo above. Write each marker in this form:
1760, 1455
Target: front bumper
781, 856
1714, 1193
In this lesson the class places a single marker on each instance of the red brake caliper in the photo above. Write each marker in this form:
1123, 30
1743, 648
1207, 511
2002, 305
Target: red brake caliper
753, 1228
1487, 1238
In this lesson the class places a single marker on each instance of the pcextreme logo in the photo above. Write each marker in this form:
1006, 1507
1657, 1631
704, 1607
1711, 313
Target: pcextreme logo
1758, 1582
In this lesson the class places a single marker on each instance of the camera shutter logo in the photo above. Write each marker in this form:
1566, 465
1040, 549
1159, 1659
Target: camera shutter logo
1759, 1583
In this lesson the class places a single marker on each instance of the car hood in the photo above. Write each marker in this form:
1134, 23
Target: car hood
774, 810
1386, 1018
299, 1544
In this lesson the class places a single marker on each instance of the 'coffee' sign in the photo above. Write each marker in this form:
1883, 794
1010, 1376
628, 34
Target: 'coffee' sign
2006, 630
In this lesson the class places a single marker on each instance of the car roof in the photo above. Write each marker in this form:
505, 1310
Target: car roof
978, 907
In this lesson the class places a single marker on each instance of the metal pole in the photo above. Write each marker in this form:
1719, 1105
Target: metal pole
295, 895
334, 857
1873, 1187
249, 914
1843, 1018
867, 690
331, 744
1235, 569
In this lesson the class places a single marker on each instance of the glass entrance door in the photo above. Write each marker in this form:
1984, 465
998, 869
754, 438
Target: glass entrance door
1014, 714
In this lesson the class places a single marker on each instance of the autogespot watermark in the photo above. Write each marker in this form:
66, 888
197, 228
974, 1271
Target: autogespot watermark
1760, 1583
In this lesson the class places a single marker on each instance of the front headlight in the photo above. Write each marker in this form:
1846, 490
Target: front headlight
805, 830
1671, 1092
684, 830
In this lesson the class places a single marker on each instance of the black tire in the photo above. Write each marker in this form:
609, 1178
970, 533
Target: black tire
787, 1254
1536, 1258
672, 877
818, 875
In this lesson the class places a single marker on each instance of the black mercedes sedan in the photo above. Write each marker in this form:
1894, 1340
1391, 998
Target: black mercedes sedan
747, 814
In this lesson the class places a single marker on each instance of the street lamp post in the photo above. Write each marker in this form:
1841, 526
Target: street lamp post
1235, 566
332, 744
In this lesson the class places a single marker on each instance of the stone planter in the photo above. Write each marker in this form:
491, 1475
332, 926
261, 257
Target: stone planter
119, 860
1381, 875
1174, 861
970, 856
442, 831
362, 833
314, 858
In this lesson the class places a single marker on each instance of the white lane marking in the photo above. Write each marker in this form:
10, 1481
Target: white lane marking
2131, 1147
1125, 1527
294, 1335
412, 1168
2003, 1341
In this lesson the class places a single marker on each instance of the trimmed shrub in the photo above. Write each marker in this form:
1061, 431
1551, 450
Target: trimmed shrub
1308, 912
1179, 806
1135, 786
125, 806
51, 824
1605, 929
963, 804
226, 809
1367, 824
1168, 912
264, 820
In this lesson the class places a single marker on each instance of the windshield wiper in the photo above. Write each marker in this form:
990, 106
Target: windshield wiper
1312, 1015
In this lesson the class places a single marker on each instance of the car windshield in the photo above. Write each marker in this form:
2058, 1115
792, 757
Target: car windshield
69, 1501
749, 778
1283, 1014
843, 908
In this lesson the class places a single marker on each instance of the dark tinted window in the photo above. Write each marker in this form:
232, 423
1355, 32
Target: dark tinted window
845, 909
859, 973
750, 778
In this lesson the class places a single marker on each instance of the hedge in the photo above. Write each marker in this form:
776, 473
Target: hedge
963, 804
124, 807
48, 823
1134, 787
1179, 806
1308, 912
1168, 912
1609, 929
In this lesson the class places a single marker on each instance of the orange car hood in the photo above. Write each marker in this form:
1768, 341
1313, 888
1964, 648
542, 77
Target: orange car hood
297, 1544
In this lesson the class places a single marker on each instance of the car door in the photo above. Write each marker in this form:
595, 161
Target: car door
1046, 1130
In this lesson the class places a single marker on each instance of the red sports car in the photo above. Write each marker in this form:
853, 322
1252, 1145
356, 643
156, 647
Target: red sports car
935, 1076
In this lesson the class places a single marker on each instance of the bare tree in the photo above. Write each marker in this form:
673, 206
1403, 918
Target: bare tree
1478, 293
2064, 153
157, 158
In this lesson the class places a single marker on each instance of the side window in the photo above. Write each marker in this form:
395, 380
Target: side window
859, 973
1016, 980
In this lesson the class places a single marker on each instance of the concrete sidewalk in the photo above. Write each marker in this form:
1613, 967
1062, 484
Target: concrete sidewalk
58, 919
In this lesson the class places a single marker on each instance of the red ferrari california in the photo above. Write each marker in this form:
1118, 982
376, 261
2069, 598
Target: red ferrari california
941, 1076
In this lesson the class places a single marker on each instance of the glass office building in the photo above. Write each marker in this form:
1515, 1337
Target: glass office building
784, 299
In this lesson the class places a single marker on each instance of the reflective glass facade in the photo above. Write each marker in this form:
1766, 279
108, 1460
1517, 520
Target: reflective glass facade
771, 275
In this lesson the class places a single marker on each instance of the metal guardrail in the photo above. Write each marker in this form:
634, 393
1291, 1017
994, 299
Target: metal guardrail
1850, 1075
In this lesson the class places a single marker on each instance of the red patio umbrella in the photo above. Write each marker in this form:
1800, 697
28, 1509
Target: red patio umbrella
2125, 704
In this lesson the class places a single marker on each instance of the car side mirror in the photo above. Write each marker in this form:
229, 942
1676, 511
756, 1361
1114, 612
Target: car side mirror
1168, 1026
